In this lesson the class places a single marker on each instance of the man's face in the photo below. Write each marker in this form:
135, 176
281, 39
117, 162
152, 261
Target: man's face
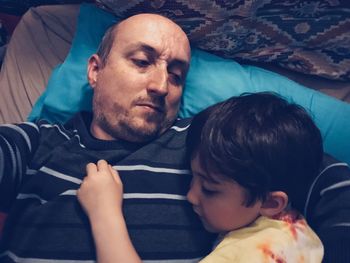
137, 92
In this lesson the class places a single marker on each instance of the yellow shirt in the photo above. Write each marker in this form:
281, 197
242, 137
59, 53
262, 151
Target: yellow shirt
287, 239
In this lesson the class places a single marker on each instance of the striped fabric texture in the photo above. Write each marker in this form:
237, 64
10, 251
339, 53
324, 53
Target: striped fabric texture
327, 210
42, 166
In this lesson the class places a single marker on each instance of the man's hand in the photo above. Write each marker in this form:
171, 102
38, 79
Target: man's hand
101, 192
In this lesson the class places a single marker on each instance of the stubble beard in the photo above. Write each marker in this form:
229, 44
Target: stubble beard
120, 124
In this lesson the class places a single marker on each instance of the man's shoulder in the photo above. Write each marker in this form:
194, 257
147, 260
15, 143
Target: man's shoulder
177, 131
333, 172
56, 133
183, 122
329, 192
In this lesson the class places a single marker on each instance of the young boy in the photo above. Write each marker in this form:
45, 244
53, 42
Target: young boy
253, 157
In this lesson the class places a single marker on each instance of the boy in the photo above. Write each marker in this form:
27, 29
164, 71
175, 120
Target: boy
252, 158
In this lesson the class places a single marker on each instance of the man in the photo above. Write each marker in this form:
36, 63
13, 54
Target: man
137, 75
141, 80
45, 163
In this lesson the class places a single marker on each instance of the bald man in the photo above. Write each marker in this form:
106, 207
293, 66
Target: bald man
137, 76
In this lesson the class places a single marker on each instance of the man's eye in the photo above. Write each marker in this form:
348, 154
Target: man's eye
141, 63
175, 78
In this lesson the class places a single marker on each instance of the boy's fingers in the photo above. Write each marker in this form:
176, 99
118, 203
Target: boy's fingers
91, 168
114, 173
102, 165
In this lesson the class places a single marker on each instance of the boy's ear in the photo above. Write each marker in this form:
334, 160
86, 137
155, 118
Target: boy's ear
275, 203
94, 66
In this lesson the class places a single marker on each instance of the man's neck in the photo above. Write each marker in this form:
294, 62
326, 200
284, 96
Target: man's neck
99, 133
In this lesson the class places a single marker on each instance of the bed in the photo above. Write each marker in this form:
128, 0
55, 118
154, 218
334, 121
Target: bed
306, 41
238, 46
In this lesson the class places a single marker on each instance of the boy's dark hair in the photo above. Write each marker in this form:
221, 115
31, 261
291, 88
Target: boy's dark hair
262, 142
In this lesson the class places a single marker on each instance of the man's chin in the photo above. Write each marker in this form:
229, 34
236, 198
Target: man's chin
155, 121
143, 132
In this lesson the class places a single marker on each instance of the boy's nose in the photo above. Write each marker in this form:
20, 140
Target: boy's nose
191, 196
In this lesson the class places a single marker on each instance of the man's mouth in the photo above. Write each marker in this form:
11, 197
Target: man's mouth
152, 106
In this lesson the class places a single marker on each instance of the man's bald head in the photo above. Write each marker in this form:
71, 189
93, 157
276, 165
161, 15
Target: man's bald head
139, 22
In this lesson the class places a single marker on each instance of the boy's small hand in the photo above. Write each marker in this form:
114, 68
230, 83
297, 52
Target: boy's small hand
101, 192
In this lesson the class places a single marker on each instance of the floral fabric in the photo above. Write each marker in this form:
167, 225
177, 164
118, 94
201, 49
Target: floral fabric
285, 239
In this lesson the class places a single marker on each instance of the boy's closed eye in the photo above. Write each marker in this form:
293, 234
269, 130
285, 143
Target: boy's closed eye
209, 192
209, 188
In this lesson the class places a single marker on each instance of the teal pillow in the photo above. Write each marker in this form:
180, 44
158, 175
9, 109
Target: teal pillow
211, 79
68, 91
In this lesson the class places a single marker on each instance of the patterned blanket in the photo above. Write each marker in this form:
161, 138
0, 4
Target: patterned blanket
312, 37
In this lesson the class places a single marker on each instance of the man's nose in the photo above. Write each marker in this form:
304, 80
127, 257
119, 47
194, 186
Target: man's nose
159, 81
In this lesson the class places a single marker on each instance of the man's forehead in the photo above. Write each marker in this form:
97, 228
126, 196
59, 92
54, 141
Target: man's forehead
140, 25
177, 58
147, 18
163, 36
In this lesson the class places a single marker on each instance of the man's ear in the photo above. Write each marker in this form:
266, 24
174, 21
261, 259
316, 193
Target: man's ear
275, 203
94, 66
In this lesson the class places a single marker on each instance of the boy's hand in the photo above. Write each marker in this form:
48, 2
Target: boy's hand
101, 192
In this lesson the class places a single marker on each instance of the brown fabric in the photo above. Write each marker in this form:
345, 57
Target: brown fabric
40, 42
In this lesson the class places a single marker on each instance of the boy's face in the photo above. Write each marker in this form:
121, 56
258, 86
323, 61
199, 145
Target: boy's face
219, 203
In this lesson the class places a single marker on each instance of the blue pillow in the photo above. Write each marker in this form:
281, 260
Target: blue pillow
210, 79
68, 90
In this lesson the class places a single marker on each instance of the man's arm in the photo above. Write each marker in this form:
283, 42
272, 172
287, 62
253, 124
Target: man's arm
328, 210
17, 145
101, 195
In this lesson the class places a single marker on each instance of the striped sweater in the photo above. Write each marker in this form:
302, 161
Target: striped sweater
327, 210
42, 166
